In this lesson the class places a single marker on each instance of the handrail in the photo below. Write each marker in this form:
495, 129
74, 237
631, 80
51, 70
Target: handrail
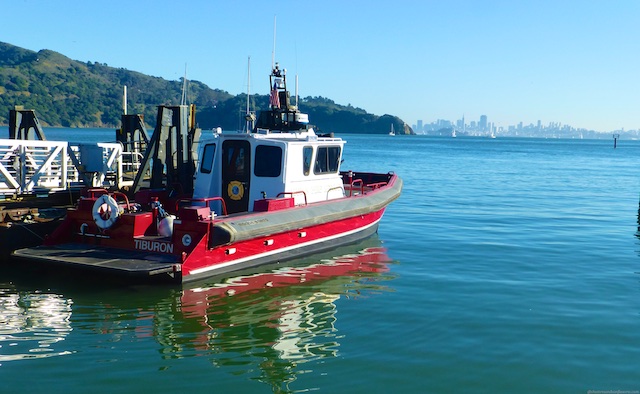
206, 201
92, 193
126, 199
372, 186
97, 191
334, 188
292, 195
377, 185
351, 186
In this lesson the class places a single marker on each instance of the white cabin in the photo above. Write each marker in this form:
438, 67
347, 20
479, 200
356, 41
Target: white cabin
244, 168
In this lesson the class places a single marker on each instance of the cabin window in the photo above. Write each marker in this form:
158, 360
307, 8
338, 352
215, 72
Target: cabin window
268, 161
207, 158
234, 157
307, 152
327, 160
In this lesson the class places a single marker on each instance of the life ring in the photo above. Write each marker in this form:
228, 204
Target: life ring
235, 190
105, 211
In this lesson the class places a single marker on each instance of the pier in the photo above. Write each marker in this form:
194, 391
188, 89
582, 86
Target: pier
32, 166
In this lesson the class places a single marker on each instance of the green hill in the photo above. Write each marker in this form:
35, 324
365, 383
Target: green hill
69, 93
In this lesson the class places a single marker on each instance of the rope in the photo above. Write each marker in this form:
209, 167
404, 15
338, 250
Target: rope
29, 230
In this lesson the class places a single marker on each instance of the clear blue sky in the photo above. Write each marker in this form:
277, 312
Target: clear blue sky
574, 62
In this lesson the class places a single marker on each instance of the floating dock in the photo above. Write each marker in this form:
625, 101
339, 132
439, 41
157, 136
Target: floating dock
39, 179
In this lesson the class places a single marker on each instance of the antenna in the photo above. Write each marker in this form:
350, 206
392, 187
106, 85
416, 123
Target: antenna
249, 117
296, 46
183, 101
273, 52
124, 100
248, 82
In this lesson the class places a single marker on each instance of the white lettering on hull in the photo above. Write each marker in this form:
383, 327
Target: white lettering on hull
154, 246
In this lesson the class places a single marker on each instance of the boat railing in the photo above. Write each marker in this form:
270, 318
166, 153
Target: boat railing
353, 185
359, 187
126, 206
293, 194
206, 202
377, 185
339, 188
96, 192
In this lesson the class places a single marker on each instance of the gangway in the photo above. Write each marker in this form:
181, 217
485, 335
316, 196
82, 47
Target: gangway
42, 167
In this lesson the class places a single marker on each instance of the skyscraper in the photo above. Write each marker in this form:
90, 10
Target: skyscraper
483, 123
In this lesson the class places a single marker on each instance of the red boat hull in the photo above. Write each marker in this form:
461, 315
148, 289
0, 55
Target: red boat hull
279, 247
201, 246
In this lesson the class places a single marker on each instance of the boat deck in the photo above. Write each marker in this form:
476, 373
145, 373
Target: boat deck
106, 260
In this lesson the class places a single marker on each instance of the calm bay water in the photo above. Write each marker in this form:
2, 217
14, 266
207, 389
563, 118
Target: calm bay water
507, 265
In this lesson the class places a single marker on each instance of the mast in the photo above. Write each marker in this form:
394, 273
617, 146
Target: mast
183, 100
281, 116
248, 82
124, 100
249, 117
273, 52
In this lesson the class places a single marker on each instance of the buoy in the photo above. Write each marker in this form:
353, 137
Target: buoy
165, 227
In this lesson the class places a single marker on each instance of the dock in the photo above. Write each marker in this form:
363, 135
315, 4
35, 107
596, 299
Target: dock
39, 178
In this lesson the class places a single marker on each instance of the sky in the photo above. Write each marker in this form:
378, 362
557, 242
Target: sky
572, 62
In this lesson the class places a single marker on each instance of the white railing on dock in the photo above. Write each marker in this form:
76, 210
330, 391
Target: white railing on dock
40, 167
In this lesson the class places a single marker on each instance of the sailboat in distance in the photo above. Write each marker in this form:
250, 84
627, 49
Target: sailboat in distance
392, 132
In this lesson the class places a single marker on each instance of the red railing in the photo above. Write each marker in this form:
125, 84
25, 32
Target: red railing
353, 185
93, 193
206, 200
291, 194
97, 192
126, 199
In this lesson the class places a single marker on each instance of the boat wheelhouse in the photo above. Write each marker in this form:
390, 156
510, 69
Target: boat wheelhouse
246, 169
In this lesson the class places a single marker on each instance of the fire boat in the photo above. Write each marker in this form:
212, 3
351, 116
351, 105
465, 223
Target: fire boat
218, 202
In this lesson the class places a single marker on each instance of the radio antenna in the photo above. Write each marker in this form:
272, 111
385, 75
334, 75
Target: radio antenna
273, 52
183, 100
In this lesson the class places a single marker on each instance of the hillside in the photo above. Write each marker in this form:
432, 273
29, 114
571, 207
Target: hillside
69, 93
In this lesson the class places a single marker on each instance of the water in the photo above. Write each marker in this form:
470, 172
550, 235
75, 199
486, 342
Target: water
508, 265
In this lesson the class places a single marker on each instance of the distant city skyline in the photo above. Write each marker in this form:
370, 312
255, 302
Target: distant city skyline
484, 127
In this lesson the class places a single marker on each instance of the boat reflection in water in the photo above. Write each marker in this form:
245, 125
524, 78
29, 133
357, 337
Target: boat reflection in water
32, 324
297, 301
270, 322
261, 325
